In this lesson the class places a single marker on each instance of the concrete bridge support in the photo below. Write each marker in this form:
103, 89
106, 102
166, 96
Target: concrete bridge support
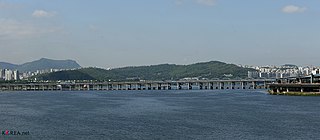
221, 85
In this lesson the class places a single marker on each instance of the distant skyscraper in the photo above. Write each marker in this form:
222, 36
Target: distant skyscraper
1, 74
8, 75
16, 75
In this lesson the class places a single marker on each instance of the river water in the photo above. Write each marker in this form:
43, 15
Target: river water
188, 114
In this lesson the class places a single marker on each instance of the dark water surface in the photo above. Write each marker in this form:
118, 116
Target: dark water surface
228, 114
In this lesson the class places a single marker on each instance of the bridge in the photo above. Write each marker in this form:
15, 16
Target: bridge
142, 85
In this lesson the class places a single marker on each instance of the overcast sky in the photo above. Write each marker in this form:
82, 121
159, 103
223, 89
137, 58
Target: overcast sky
116, 33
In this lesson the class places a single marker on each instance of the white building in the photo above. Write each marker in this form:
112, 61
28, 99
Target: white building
315, 71
8, 75
11, 75
16, 75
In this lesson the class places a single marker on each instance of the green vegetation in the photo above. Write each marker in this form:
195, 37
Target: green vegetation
66, 75
208, 70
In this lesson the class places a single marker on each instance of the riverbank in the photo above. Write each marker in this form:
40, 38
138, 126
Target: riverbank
295, 93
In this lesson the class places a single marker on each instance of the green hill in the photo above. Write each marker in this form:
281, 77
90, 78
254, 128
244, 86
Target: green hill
208, 70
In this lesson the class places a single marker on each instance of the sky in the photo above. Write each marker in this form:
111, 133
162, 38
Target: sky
118, 33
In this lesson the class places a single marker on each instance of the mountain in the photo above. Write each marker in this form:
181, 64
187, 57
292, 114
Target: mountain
208, 70
290, 65
5, 65
44, 63
41, 64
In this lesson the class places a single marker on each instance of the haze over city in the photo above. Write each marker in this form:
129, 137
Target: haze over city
117, 33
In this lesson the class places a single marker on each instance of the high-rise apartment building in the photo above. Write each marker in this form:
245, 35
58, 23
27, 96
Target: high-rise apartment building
16, 75
1, 74
8, 75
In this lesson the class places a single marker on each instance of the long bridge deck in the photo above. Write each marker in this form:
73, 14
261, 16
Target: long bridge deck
142, 85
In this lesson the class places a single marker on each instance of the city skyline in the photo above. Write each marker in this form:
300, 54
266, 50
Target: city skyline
264, 72
132, 33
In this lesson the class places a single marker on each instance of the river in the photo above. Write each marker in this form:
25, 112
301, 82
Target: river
186, 114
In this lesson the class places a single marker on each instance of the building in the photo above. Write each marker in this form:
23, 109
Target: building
8, 75
315, 71
253, 74
16, 75
1, 74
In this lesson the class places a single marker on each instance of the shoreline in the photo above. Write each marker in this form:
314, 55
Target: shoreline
294, 93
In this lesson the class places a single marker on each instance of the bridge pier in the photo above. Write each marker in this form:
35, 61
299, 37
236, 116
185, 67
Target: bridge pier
221, 85
200, 86
189, 86
233, 84
254, 85
179, 86
242, 85
159, 86
169, 86
149, 86
139, 86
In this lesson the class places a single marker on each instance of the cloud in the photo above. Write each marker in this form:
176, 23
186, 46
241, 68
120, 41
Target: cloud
207, 2
293, 9
12, 29
43, 13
